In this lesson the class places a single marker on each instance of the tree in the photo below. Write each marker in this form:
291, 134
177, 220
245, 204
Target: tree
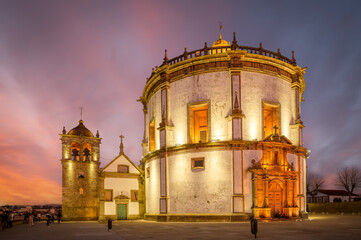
349, 179
314, 183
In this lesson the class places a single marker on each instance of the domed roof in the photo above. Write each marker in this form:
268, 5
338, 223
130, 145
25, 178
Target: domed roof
81, 130
221, 43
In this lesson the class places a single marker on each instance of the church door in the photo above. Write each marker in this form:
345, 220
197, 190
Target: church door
275, 198
122, 212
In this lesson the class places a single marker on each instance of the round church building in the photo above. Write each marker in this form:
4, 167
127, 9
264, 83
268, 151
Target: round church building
223, 135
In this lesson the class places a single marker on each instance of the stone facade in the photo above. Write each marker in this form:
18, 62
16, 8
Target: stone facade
243, 106
84, 184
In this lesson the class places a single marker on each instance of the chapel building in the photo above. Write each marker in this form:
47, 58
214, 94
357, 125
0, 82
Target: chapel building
223, 135
89, 192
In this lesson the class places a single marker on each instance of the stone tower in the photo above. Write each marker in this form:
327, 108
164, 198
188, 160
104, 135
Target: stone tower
80, 174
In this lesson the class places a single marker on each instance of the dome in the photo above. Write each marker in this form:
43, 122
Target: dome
81, 130
221, 43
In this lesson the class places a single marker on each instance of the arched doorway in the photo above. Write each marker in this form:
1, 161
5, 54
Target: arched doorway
275, 198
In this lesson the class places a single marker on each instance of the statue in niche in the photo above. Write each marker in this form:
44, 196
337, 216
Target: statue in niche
275, 159
86, 153
75, 154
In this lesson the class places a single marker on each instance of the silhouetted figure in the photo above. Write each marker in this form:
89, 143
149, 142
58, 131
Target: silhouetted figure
59, 217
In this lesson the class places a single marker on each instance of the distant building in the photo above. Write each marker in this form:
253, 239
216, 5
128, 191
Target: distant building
326, 196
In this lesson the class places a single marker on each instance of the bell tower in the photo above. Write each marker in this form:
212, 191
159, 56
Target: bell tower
80, 173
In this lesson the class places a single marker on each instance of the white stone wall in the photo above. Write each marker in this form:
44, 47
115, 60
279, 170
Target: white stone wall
113, 167
152, 187
121, 186
203, 191
248, 156
257, 87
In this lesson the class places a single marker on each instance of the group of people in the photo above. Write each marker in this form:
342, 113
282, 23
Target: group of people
6, 220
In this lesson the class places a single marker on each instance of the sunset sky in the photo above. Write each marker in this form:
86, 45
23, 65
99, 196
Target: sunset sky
56, 56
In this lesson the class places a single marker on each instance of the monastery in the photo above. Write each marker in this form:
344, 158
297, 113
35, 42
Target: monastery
222, 142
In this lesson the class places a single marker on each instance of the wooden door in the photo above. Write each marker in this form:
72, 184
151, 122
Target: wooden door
275, 198
122, 212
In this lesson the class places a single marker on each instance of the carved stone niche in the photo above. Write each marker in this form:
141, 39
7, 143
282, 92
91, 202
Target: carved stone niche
235, 62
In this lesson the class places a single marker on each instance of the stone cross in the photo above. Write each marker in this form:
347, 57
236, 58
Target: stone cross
121, 144
275, 128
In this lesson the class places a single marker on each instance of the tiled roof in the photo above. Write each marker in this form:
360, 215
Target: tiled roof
335, 192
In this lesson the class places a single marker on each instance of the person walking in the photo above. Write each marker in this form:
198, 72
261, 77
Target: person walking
31, 220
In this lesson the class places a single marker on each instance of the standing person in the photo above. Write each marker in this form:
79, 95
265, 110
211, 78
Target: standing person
48, 219
31, 218
39, 216
52, 218
59, 217
11, 219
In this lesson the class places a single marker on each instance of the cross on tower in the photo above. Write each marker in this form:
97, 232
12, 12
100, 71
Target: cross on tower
121, 144
275, 128
81, 113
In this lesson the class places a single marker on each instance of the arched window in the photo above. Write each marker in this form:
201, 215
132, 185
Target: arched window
75, 148
87, 152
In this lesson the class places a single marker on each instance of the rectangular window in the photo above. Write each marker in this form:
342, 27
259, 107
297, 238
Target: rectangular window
270, 119
148, 172
123, 169
198, 163
198, 123
134, 195
151, 136
108, 195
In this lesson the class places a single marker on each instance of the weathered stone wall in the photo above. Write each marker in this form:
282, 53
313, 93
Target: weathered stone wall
76, 206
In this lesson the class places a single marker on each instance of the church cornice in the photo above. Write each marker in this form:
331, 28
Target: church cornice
242, 59
228, 145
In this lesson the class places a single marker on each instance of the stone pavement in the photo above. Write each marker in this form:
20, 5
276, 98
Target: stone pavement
318, 227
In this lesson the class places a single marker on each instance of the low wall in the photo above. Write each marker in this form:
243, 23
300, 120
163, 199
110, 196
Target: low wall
335, 207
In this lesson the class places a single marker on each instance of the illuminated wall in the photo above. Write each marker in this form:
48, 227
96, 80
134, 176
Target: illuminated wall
203, 191
256, 88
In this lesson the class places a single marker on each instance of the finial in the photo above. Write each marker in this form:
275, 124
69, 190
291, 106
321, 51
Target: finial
165, 59
81, 113
64, 131
260, 51
220, 29
205, 49
97, 135
236, 106
185, 54
293, 61
121, 144
234, 42
152, 70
